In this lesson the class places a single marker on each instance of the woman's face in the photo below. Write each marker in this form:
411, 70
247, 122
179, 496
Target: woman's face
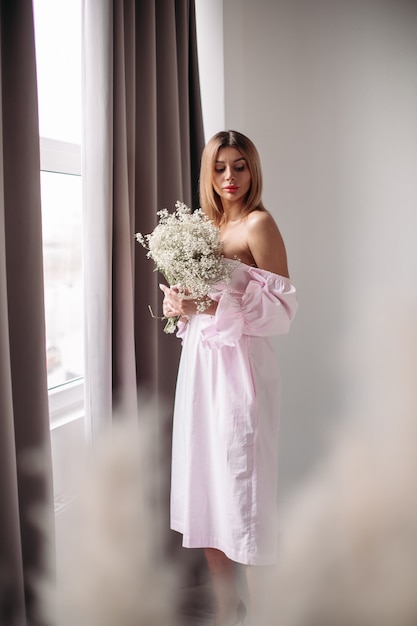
231, 176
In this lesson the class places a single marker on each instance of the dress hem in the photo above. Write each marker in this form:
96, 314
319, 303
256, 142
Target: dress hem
233, 555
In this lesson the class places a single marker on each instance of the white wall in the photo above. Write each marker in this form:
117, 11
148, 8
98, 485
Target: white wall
327, 89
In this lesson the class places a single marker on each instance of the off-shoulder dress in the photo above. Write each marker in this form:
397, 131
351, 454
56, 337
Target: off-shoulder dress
226, 418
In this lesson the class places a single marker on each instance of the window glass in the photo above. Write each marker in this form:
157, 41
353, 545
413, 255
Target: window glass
62, 241
58, 64
58, 59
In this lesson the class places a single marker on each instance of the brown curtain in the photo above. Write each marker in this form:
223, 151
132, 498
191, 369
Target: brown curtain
143, 138
25, 460
169, 141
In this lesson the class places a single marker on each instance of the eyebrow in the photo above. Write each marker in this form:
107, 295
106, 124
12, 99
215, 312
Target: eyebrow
235, 161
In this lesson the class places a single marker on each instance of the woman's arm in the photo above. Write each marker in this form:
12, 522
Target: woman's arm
266, 244
268, 251
174, 304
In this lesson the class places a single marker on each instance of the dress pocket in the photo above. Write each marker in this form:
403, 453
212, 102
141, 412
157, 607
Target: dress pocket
240, 455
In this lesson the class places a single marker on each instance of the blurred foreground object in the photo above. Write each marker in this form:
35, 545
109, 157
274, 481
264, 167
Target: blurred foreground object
113, 570
349, 537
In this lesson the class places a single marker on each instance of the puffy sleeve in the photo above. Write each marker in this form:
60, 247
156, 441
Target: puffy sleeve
266, 307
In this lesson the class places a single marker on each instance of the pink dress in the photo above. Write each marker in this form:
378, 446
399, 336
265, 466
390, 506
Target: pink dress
225, 434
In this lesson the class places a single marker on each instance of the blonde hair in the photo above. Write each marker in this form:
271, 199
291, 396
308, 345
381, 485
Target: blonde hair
210, 200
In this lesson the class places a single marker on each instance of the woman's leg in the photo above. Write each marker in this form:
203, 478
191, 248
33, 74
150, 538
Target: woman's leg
222, 573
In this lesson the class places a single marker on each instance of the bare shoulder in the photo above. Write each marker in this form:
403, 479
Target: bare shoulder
266, 243
261, 220
258, 217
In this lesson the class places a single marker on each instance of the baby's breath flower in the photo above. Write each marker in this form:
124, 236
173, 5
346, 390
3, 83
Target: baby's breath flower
186, 248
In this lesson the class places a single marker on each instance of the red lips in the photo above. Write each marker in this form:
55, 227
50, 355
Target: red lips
231, 188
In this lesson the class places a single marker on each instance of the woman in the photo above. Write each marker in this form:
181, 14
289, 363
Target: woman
225, 446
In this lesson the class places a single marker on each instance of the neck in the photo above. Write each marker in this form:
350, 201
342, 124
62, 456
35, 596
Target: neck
232, 214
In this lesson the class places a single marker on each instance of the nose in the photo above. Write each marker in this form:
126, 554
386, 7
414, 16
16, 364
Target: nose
230, 175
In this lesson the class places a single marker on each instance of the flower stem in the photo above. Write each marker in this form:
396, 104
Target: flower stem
171, 325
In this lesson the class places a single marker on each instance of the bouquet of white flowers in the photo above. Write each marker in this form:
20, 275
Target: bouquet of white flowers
186, 248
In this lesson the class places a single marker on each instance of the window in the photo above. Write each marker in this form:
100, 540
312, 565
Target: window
62, 256
58, 59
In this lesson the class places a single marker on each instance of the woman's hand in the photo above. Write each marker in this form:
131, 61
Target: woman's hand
178, 305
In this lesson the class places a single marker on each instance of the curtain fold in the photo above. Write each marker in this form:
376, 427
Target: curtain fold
143, 137
97, 165
25, 456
